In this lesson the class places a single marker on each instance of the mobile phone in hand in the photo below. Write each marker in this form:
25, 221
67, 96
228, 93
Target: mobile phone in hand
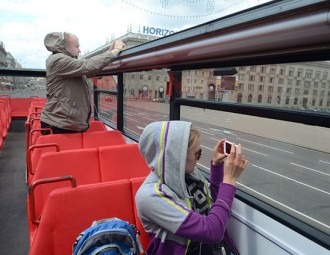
227, 147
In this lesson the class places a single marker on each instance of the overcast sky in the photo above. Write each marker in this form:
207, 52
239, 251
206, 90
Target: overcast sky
24, 23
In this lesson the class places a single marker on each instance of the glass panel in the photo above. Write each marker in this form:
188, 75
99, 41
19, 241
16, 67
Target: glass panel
20, 87
108, 108
145, 99
299, 86
289, 163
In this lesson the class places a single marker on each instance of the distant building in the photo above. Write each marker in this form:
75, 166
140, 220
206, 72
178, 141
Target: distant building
3, 55
293, 85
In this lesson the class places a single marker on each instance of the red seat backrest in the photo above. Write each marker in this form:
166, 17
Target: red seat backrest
121, 162
68, 141
102, 138
69, 211
83, 164
144, 238
96, 126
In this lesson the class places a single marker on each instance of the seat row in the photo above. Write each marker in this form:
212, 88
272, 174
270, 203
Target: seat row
93, 172
85, 166
69, 211
33, 127
5, 118
62, 142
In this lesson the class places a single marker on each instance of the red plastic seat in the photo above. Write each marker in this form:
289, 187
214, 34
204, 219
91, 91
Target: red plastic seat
122, 162
96, 125
69, 211
82, 164
144, 238
102, 138
68, 141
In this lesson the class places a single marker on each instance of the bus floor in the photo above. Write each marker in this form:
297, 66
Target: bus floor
13, 191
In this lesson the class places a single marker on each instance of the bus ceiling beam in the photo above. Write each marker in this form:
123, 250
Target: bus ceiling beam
24, 72
285, 33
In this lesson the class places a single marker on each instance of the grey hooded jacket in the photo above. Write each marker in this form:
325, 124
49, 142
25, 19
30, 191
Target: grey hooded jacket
163, 203
68, 103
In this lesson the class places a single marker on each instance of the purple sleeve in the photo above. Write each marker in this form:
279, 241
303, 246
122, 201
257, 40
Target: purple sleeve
211, 228
216, 178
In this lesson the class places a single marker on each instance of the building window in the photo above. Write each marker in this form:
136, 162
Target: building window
325, 76
141, 76
295, 101
279, 89
291, 72
270, 88
317, 75
251, 87
260, 99
287, 100
261, 88
309, 73
250, 98
269, 99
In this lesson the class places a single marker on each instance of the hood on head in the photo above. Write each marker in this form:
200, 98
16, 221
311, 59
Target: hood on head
54, 42
164, 146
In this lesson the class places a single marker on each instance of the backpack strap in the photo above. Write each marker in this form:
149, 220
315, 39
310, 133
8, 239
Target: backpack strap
138, 233
230, 244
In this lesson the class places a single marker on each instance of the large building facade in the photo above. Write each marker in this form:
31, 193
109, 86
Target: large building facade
292, 85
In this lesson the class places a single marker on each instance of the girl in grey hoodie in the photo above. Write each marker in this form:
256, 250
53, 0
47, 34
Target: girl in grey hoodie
181, 211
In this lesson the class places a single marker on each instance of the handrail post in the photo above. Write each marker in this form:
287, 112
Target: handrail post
96, 99
120, 102
176, 88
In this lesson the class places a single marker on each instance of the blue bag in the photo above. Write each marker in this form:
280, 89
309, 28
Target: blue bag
108, 237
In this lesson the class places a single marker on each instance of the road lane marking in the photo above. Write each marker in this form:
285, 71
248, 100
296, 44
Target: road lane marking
277, 202
131, 119
326, 162
283, 205
247, 149
216, 130
265, 145
205, 132
311, 169
207, 147
288, 178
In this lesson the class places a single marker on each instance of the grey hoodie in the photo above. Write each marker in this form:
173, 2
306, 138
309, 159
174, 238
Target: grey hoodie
68, 103
163, 203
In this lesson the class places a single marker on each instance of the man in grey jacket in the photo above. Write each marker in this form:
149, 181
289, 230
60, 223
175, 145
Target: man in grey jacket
68, 106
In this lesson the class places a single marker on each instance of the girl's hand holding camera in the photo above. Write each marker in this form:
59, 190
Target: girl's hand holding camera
235, 162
